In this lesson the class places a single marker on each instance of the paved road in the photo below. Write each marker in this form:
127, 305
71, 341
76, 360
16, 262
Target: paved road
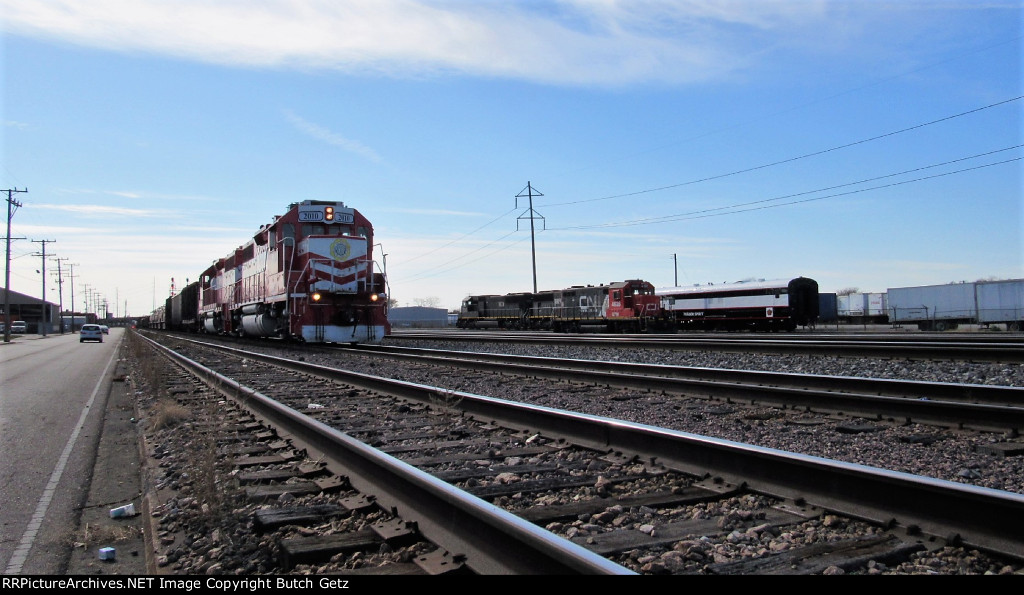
53, 394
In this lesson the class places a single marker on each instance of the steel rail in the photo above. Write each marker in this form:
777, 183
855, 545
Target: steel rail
989, 394
941, 511
491, 540
914, 337
982, 407
897, 349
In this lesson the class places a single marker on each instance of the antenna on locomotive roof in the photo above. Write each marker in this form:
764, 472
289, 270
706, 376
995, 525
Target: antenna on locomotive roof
530, 192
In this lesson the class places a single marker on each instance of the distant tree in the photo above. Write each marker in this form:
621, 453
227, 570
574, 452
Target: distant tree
430, 302
848, 291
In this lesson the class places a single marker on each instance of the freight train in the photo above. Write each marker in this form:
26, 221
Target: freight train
637, 306
307, 276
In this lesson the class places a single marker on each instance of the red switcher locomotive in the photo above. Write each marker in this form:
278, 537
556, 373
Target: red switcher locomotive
308, 276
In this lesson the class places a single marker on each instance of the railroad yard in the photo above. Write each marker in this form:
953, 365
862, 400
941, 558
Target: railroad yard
229, 491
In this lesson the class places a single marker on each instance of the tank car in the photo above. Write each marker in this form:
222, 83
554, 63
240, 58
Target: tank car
308, 276
748, 305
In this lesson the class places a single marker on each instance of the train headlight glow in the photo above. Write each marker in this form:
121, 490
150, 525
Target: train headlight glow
374, 297
329, 214
316, 296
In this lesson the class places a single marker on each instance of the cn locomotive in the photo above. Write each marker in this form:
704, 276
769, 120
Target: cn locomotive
626, 306
637, 306
307, 276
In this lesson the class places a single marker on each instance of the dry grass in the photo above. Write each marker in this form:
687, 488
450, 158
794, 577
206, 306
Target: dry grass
168, 413
91, 535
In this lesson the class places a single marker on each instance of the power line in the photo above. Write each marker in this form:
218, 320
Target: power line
688, 215
729, 210
791, 159
457, 240
704, 215
709, 212
438, 270
425, 273
826, 98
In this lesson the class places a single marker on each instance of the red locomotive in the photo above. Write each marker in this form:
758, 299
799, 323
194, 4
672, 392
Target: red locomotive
308, 276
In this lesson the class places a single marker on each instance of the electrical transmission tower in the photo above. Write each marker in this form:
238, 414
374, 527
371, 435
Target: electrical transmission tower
531, 215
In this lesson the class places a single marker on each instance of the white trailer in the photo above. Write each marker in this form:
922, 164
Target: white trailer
862, 308
1001, 302
943, 307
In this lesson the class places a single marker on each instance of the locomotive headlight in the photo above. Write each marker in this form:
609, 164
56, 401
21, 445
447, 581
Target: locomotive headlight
316, 296
374, 297
329, 214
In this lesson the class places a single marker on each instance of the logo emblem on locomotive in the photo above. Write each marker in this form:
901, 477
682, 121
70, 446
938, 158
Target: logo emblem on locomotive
341, 249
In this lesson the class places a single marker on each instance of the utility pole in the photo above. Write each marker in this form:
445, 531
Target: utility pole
88, 298
60, 292
43, 309
72, 276
530, 193
12, 205
675, 261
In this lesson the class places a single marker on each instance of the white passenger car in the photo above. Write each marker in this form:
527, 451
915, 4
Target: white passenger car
90, 332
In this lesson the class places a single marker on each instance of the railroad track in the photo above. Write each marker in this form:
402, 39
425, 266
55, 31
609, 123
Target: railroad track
961, 406
962, 347
553, 467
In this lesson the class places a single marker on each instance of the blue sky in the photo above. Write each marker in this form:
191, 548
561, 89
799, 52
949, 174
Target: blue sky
863, 144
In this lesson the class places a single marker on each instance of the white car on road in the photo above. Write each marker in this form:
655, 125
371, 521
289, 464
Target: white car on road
90, 332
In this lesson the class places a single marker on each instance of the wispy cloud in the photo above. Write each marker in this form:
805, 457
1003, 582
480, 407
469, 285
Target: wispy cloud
332, 138
102, 210
136, 195
558, 41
